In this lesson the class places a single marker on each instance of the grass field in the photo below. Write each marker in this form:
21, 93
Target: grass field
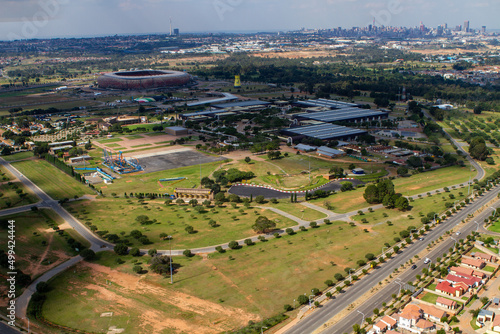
148, 183
110, 140
18, 156
143, 145
428, 181
38, 246
298, 210
10, 197
235, 223
54, 182
134, 137
245, 281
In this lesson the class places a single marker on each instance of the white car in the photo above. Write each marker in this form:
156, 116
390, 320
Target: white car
458, 233
427, 260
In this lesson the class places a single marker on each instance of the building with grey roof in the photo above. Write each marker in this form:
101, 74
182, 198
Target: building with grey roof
324, 131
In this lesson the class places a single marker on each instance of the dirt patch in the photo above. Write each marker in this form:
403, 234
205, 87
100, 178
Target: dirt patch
209, 317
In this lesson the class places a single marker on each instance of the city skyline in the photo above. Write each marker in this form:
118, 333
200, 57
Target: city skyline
25, 19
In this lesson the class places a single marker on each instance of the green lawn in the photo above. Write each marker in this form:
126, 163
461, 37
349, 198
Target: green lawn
298, 210
348, 201
432, 287
495, 227
489, 269
110, 140
235, 223
37, 243
143, 145
54, 182
134, 137
14, 194
424, 182
18, 156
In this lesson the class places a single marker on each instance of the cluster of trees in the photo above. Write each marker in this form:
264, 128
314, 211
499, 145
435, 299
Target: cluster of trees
383, 192
478, 149
231, 175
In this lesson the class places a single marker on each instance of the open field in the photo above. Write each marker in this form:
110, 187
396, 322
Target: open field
235, 223
149, 183
54, 182
18, 156
14, 194
298, 210
244, 282
378, 219
38, 246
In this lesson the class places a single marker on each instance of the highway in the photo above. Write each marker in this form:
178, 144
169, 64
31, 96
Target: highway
343, 300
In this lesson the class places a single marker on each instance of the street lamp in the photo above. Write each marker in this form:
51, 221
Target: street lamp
363, 320
171, 272
454, 240
350, 277
310, 306
475, 222
261, 332
28, 324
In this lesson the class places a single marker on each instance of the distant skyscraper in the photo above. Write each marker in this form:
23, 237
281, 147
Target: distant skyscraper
483, 29
465, 28
176, 32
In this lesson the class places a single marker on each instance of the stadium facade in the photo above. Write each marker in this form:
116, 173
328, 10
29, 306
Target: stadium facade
143, 79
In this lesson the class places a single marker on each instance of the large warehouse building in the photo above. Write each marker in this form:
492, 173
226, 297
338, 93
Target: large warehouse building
143, 79
323, 131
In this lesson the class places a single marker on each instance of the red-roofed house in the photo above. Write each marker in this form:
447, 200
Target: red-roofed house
432, 312
390, 321
380, 327
485, 257
392, 332
496, 325
425, 325
462, 271
446, 303
474, 263
410, 315
446, 288
471, 281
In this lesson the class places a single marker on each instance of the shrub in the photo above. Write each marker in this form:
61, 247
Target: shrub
233, 245
187, 253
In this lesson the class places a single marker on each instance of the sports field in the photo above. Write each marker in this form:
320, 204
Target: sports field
54, 182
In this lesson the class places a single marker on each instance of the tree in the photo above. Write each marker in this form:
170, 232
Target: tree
189, 229
137, 269
478, 149
263, 225
247, 160
287, 307
346, 186
160, 264
369, 256
88, 254
402, 203
233, 245
289, 231
121, 249
402, 171
478, 109
135, 252
260, 199
152, 252
337, 172
187, 253
329, 282
338, 277
42, 287
302, 300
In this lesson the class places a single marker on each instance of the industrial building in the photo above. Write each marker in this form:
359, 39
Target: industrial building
326, 151
177, 131
323, 131
352, 114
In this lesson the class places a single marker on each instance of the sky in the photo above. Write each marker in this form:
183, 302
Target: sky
25, 19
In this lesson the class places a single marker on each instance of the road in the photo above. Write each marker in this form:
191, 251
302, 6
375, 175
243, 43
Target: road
342, 301
6, 329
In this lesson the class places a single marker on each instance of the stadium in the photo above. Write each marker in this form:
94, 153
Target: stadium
143, 79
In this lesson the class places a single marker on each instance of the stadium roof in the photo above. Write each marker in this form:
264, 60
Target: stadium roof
241, 104
324, 131
339, 115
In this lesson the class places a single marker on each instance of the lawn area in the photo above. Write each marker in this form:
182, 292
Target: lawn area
348, 201
235, 223
430, 298
18, 156
110, 140
134, 137
38, 246
495, 227
148, 183
54, 182
5, 175
489, 269
424, 182
304, 260
432, 287
143, 145
378, 220
14, 194
298, 210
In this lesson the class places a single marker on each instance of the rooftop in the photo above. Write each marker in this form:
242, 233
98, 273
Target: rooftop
325, 131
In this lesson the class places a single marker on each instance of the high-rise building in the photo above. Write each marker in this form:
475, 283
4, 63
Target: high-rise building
483, 29
465, 28
176, 32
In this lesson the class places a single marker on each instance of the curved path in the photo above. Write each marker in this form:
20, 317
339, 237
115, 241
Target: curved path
268, 192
